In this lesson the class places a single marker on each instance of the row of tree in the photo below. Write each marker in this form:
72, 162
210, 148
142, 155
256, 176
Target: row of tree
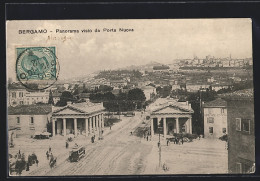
132, 100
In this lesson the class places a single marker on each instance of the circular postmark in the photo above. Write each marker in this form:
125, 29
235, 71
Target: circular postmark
37, 68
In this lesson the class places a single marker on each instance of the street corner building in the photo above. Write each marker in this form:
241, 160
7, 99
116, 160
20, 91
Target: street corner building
28, 119
79, 119
241, 131
172, 116
215, 118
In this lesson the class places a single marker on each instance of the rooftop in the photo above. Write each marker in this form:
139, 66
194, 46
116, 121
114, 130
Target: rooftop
82, 108
162, 103
36, 109
246, 94
216, 103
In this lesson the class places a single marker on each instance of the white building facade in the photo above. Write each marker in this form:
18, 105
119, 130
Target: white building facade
215, 118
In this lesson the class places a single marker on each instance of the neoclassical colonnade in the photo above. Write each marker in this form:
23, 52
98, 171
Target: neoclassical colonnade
171, 123
76, 124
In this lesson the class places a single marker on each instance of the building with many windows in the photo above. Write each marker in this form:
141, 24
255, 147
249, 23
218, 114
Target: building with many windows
215, 118
241, 131
18, 95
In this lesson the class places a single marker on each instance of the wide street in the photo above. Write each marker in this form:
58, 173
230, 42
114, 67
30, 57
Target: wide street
121, 153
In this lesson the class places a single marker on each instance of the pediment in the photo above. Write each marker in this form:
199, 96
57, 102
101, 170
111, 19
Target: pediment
170, 110
68, 110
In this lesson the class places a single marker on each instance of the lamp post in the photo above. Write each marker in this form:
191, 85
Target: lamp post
159, 146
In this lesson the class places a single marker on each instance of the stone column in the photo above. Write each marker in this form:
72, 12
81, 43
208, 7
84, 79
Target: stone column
64, 127
75, 127
90, 124
53, 127
86, 126
190, 125
152, 131
164, 127
177, 125
102, 120
95, 123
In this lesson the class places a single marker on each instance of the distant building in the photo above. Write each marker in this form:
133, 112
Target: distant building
161, 68
215, 118
149, 92
195, 87
241, 131
36, 97
28, 119
18, 95
56, 97
118, 83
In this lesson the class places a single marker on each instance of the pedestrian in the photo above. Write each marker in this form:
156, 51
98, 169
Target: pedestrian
37, 161
110, 127
147, 138
181, 140
167, 142
47, 154
27, 166
51, 157
49, 149
102, 131
67, 144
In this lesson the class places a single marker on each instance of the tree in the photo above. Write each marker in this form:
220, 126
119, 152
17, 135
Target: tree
137, 97
50, 101
65, 97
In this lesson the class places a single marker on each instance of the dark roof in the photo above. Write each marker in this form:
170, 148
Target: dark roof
56, 94
246, 94
15, 86
216, 103
30, 109
84, 95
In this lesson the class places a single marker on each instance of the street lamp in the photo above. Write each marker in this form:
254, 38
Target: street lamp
159, 146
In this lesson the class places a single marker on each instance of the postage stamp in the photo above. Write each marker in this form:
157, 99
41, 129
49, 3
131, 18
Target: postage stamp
36, 63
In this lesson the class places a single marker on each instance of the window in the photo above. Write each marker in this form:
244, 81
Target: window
246, 125
20, 94
238, 168
21, 102
209, 111
224, 130
13, 94
222, 110
210, 120
18, 120
31, 120
238, 124
211, 130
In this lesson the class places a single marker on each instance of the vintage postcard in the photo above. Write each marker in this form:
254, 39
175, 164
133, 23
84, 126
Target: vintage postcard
130, 97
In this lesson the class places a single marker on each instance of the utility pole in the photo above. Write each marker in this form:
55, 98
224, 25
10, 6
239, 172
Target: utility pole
160, 151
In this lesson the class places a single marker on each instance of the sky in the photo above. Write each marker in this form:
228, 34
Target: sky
152, 40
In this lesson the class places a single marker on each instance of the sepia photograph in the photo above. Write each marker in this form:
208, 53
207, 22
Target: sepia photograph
130, 97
